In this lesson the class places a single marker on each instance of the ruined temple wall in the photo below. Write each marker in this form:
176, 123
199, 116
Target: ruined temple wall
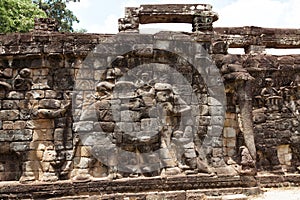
275, 101
37, 137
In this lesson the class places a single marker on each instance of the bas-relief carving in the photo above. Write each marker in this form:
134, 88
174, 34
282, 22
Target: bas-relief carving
276, 115
152, 113
142, 115
37, 150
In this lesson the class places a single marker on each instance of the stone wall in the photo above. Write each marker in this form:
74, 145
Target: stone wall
83, 106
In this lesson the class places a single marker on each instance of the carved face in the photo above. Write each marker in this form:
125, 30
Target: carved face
25, 73
164, 96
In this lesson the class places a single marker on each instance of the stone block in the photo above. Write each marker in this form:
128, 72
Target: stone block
215, 130
52, 94
162, 44
85, 85
15, 95
190, 153
203, 120
19, 124
229, 122
40, 145
21, 135
214, 102
8, 125
9, 115
217, 120
230, 142
149, 124
20, 146
125, 126
204, 110
37, 94
10, 104
43, 135
34, 155
49, 103
40, 124
49, 155
195, 195
82, 162
83, 126
217, 110
106, 126
85, 151
229, 132
130, 116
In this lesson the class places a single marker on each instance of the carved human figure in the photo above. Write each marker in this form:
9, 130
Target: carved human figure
44, 140
169, 109
247, 162
98, 109
271, 96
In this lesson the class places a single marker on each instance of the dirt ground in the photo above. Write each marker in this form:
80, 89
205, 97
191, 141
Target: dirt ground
279, 194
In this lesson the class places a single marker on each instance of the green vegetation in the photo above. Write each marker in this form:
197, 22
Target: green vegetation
18, 15
57, 9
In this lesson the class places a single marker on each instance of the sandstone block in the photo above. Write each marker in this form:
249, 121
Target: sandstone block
40, 124
83, 126
229, 132
49, 104
15, 95
149, 124
10, 104
49, 155
9, 115
130, 116
8, 125
43, 135
19, 146
37, 94
20, 125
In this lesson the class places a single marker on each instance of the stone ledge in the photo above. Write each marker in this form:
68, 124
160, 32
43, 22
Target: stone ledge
288, 180
207, 185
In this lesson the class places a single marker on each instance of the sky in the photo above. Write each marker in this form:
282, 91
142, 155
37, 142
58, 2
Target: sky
98, 16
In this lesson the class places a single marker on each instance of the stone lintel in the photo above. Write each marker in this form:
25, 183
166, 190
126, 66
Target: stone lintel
200, 16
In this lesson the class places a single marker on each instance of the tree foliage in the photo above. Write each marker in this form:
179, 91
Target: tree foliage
18, 15
57, 9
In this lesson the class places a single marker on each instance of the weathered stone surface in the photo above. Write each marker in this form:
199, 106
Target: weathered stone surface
167, 123
9, 114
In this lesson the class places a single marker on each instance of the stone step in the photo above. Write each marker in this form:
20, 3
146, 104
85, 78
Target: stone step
219, 194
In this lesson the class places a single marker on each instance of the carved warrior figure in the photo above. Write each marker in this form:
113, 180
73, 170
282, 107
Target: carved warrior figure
50, 161
146, 118
271, 97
